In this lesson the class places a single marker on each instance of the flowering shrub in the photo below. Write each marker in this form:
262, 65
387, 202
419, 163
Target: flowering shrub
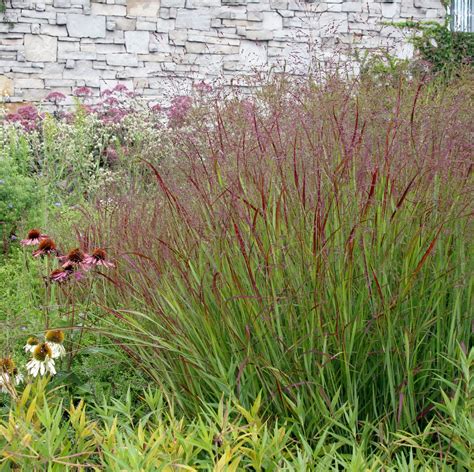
27, 117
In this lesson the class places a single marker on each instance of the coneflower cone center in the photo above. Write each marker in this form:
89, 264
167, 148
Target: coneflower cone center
42, 351
32, 341
99, 254
76, 256
55, 336
34, 234
47, 245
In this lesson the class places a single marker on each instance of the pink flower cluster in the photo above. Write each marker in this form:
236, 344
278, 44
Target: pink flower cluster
55, 97
27, 116
179, 110
74, 264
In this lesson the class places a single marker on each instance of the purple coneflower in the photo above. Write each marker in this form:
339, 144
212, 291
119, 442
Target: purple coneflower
74, 258
33, 238
98, 258
46, 247
59, 275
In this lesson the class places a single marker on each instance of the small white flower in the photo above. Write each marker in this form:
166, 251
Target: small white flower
57, 349
42, 362
4, 380
19, 378
55, 339
35, 367
31, 344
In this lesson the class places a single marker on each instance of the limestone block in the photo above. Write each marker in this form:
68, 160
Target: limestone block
40, 48
189, 19
6, 86
351, 7
427, 3
29, 84
85, 26
62, 3
253, 54
53, 30
144, 7
112, 10
82, 70
272, 21
390, 10
109, 48
125, 24
195, 48
164, 26
259, 35
146, 25
122, 60
21, 3
61, 19
159, 43
203, 3
173, 3
334, 23
255, 16
137, 41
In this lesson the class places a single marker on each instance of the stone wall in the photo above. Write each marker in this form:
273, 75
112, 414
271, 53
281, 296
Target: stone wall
157, 47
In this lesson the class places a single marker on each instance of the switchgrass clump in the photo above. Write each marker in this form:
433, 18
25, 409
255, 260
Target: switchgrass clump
311, 244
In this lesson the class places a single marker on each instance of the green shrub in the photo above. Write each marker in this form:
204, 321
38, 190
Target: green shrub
18, 196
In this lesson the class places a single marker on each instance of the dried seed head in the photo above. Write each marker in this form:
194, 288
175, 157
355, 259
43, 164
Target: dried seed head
217, 440
7, 366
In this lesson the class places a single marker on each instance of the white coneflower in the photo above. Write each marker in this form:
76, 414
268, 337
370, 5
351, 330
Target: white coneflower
42, 362
54, 339
31, 343
18, 377
8, 374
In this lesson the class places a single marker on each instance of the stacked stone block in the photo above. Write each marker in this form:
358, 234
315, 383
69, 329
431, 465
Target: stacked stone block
158, 47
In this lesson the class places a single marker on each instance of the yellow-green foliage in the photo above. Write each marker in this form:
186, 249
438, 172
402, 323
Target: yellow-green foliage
40, 433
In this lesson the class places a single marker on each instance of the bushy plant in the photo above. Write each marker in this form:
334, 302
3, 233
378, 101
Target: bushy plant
18, 195
311, 247
43, 430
